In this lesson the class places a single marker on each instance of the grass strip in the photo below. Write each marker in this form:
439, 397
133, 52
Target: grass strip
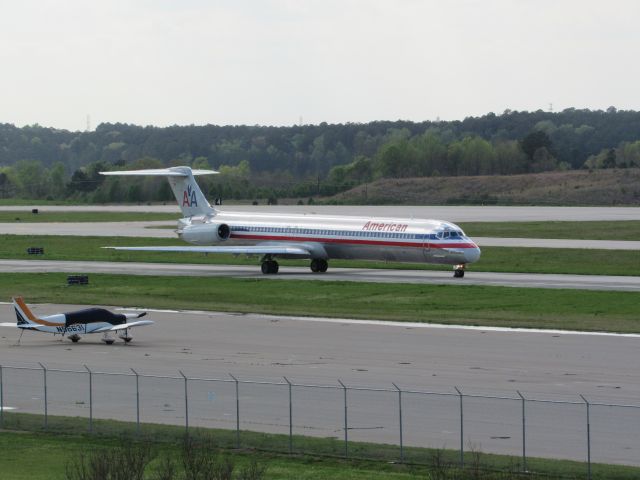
494, 259
25, 438
592, 230
45, 216
452, 304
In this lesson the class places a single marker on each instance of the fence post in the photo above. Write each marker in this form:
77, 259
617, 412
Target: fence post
524, 433
186, 404
46, 411
290, 415
137, 402
346, 423
461, 429
400, 421
237, 410
90, 399
586, 402
1, 400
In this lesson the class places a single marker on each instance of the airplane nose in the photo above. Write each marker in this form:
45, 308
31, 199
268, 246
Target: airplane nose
472, 254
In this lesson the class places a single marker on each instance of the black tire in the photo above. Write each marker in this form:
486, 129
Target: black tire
315, 267
458, 273
269, 267
324, 265
127, 339
75, 339
109, 341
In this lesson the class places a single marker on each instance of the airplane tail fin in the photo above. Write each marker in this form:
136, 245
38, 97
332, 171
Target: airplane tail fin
183, 184
24, 315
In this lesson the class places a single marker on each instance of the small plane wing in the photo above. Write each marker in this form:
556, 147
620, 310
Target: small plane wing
124, 326
235, 250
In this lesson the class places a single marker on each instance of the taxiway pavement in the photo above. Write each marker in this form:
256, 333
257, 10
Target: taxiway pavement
528, 280
544, 366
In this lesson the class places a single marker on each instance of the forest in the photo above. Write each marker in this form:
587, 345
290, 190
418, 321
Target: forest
306, 160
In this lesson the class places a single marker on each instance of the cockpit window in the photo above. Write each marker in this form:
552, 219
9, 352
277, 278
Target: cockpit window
453, 234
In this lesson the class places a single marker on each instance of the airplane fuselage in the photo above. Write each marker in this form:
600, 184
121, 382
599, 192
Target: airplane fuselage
343, 237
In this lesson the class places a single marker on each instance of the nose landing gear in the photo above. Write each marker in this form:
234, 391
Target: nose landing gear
458, 271
125, 336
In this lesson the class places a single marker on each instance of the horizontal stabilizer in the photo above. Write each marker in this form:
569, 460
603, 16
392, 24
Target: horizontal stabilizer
161, 172
26, 326
234, 250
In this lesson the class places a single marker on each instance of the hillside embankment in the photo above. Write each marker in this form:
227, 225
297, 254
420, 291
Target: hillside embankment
578, 187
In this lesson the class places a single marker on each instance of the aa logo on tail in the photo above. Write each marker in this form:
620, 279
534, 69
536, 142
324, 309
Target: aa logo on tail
189, 198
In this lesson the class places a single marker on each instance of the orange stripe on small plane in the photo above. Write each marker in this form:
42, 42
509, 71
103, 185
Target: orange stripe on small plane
27, 311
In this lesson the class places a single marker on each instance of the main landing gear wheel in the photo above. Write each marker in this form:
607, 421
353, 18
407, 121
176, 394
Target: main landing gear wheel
319, 265
270, 266
74, 338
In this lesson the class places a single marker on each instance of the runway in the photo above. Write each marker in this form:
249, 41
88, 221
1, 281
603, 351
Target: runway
553, 366
526, 280
451, 213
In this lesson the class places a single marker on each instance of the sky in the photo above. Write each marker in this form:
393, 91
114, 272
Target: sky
286, 62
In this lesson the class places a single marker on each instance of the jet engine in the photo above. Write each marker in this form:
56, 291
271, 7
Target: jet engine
205, 233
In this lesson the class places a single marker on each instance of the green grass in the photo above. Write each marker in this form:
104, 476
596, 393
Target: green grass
494, 259
596, 230
44, 216
313, 458
453, 304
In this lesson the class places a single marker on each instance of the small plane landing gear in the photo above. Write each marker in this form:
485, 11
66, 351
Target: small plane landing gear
270, 266
458, 271
319, 265
74, 338
125, 336
108, 339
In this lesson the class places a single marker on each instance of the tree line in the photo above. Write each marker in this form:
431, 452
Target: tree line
305, 160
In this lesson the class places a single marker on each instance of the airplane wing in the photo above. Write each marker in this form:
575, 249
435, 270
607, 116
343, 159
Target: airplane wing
124, 326
279, 249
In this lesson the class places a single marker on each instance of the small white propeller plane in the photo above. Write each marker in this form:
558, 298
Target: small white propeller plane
72, 324
317, 237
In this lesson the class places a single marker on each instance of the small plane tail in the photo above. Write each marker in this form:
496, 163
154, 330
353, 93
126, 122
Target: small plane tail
183, 184
24, 315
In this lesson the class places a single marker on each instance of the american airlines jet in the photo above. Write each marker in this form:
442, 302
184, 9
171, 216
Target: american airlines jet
316, 237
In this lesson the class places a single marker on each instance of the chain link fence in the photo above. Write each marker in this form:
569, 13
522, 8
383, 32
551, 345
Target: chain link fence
392, 424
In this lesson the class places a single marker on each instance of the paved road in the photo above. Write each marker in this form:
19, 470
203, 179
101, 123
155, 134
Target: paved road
542, 365
454, 214
585, 282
